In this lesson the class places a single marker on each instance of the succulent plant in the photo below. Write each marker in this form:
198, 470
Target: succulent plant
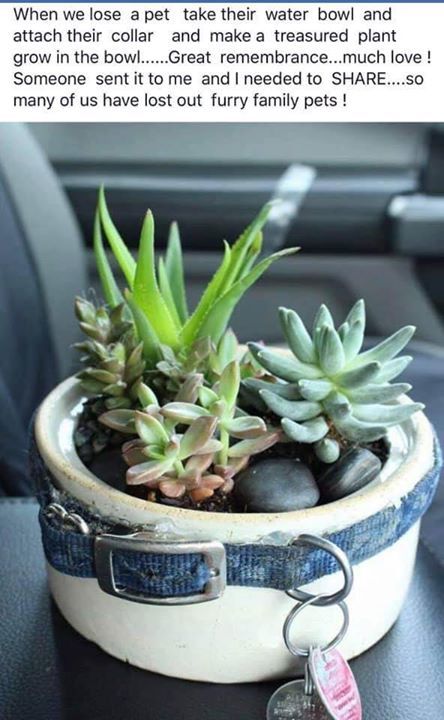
232, 423
112, 355
174, 463
156, 295
328, 387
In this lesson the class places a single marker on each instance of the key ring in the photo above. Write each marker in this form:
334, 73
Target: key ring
295, 649
324, 600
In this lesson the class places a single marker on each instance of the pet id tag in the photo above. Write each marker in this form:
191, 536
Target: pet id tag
290, 702
335, 684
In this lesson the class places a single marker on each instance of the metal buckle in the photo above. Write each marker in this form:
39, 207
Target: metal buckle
212, 551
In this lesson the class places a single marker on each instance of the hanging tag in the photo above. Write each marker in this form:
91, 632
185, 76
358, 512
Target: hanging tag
290, 702
335, 684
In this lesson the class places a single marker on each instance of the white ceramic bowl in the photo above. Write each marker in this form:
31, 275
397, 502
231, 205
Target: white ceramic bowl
238, 637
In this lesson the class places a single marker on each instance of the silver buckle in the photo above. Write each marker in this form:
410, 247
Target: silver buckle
212, 551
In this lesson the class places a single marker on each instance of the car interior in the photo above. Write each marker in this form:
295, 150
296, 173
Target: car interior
365, 203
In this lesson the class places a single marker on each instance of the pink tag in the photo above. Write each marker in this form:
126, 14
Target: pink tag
335, 684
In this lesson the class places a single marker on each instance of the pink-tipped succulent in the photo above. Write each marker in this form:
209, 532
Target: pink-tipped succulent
232, 423
174, 463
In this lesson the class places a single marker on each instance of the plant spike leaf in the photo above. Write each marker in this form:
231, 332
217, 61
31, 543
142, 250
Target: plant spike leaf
175, 273
151, 345
111, 291
191, 327
219, 315
242, 246
146, 291
167, 293
121, 253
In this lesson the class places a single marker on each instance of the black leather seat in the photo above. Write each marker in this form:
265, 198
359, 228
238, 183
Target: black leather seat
41, 268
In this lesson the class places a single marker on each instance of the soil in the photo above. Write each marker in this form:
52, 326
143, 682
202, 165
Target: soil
99, 450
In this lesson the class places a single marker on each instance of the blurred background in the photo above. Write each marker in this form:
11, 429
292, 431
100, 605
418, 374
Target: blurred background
364, 201
370, 220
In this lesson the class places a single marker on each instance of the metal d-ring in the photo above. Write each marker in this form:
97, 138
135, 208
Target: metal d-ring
294, 649
324, 600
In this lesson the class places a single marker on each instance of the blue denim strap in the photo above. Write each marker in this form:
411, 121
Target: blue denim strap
280, 567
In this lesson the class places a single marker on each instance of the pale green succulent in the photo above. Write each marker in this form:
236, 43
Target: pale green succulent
327, 386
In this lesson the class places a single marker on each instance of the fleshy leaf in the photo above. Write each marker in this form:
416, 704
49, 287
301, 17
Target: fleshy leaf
307, 432
229, 383
121, 420
146, 291
386, 414
150, 430
111, 291
287, 368
388, 348
297, 335
327, 450
174, 269
183, 412
252, 447
322, 317
393, 368
298, 410
330, 351
197, 435
167, 293
151, 346
219, 315
353, 339
374, 393
246, 427
121, 253
359, 376
147, 472
191, 327
315, 390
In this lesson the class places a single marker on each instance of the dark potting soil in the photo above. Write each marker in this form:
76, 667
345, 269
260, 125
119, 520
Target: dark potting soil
99, 449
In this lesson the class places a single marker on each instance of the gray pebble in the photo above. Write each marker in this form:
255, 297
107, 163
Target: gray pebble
276, 485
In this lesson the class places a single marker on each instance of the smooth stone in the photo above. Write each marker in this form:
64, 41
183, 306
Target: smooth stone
276, 485
353, 471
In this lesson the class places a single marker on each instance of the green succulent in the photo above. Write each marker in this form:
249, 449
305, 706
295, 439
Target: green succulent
328, 386
112, 355
155, 291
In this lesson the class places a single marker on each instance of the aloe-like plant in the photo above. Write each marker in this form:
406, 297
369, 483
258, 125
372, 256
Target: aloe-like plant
327, 387
155, 291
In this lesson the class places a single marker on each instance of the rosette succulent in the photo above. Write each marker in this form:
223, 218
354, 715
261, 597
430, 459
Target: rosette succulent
327, 387
174, 463
220, 401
